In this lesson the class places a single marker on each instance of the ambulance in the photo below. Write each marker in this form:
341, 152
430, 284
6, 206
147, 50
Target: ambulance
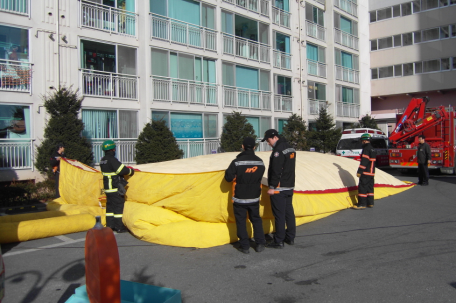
350, 145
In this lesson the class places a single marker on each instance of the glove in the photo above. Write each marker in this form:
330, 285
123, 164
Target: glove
358, 175
132, 170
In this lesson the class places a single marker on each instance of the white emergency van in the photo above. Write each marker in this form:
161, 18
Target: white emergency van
350, 145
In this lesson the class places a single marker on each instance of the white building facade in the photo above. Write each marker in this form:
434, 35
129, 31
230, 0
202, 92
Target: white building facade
188, 62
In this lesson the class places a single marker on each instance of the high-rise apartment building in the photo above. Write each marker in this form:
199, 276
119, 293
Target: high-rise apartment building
188, 62
413, 54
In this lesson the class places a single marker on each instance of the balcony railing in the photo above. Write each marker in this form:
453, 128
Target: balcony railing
280, 17
180, 90
109, 19
125, 149
198, 147
109, 85
16, 154
321, 1
180, 32
257, 6
347, 74
315, 68
246, 98
15, 76
316, 31
316, 105
20, 7
281, 60
245, 48
346, 39
347, 6
283, 103
347, 110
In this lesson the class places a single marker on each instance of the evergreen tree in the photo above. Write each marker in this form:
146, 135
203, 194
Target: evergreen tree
367, 122
156, 143
65, 127
295, 132
326, 136
235, 130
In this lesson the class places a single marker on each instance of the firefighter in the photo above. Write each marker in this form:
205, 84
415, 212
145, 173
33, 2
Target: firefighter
366, 173
281, 181
56, 156
114, 186
247, 169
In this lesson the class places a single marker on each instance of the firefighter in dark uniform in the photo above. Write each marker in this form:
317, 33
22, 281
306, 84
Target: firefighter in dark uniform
247, 170
281, 181
366, 173
56, 156
114, 186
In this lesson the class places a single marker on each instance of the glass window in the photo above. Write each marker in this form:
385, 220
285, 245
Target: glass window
443, 2
207, 16
280, 125
397, 40
385, 72
407, 39
346, 25
429, 4
159, 115
385, 42
98, 56
418, 67
187, 126
99, 124
445, 63
430, 34
347, 95
406, 9
316, 91
453, 30
160, 62
210, 126
283, 85
227, 22
14, 122
126, 60
417, 37
265, 124
314, 14
228, 74
444, 32
374, 72
373, 45
398, 70
397, 11
128, 127
416, 6
454, 62
373, 16
14, 44
384, 13
407, 69
431, 66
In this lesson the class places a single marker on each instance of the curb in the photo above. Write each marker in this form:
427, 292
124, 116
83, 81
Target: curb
23, 209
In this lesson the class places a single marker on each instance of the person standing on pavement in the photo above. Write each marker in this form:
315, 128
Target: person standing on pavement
114, 186
423, 157
56, 156
281, 181
366, 173
247, 171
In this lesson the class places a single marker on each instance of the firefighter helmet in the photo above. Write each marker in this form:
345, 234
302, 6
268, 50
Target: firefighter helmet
365, 137
108, 145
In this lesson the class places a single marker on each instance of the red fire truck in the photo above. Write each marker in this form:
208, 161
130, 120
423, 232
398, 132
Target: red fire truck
438, 127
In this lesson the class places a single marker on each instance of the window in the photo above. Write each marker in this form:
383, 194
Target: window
398, 70
245, 27
347, 94
445, 63
407, 69
280, 124
396, 11
406, 9
283, 85
385, 72
282, 42
103, 124
431, 66
346, 25
430, 34
418, 67
373, 45
373, 16
454, 62
374, 72
15, 122
315, 53
316, 91
407, 39
444, 32
14, 44
314, 14
189, 125
346, 59
417, 37
385, 43
416, 6
429, 4
108, 58
384, 13
260, 124
397, 40
188, 11
453, 30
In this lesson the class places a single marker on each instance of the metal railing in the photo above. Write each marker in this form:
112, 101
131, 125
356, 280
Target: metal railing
347, 110
283, 103
321, 1
316, 105
108, 18
281, 60
15, 76
125, 150
346, 39
246, 48
198, 147
20, 7
264, 8
109, 85
181, 32
347, 74
315, 68
257, 6
347, 6
280, 17
316, 31
247, 98
181, 90
16, 154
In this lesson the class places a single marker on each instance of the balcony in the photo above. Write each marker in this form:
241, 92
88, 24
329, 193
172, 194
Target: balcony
109, 85
316, 31
252, 5
125, 150
282, 60
180, 90
16, 154
198, 147
20, 7
180, 32
316, 105
15, 76
347, 6
283, 103
315, 68
347, 110
244, 48
347, 74
109, 19
346, 39
246, 98
280, 17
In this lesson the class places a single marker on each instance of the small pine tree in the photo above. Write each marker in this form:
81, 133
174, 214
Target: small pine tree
295, 132
65, 127
235, 130
367, 122
326, 136
156, 143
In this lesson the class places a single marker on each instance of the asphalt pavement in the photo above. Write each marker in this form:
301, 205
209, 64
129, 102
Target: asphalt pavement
402, 250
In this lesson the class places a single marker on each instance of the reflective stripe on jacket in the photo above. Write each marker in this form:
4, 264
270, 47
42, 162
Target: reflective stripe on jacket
367, 164
111, 168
